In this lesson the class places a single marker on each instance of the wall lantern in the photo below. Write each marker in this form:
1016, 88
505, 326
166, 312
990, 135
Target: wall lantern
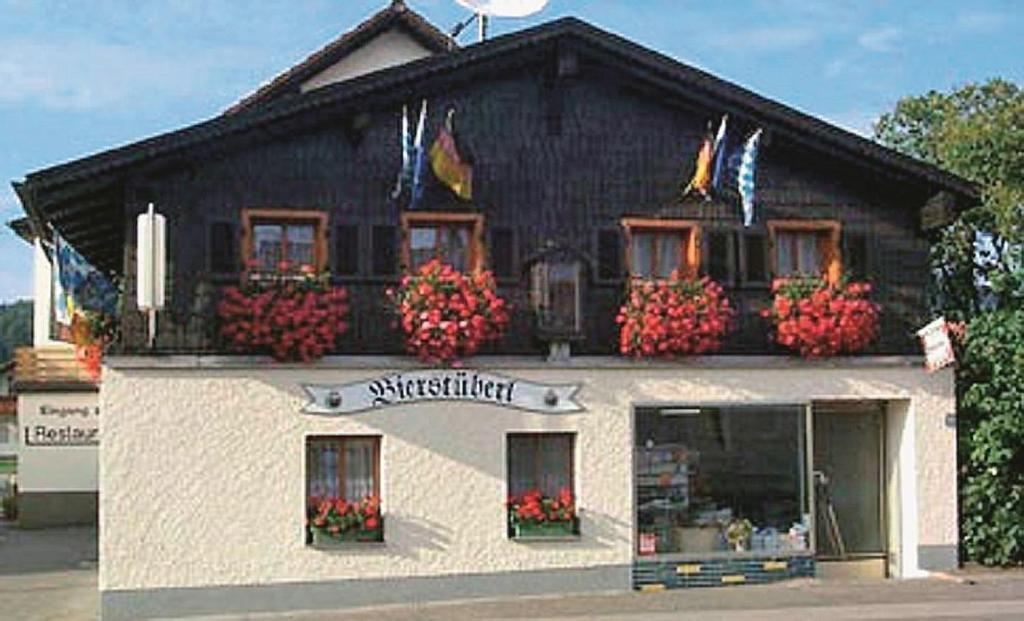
556, 281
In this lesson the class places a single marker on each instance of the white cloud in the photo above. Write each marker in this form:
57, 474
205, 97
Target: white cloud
83, 74
882, 39
764, 39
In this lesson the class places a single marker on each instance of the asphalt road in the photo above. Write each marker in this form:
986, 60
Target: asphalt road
51, 575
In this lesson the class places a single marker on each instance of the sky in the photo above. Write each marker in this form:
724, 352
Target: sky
82, 76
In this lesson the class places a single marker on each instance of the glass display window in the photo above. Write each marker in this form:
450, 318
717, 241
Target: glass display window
714, 481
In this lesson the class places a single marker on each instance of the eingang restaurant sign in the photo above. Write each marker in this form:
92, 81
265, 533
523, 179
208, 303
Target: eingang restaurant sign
442, 385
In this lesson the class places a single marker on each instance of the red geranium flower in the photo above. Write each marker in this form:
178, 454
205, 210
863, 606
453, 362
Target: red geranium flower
816, 318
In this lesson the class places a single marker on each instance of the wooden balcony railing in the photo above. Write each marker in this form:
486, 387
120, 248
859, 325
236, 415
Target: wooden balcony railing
48, 367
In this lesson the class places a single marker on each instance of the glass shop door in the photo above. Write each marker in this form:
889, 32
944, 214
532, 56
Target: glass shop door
848, 489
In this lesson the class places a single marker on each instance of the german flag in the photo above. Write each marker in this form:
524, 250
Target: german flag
447, 164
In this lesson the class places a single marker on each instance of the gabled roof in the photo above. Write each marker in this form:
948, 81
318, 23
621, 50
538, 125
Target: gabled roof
43, 191
395, 15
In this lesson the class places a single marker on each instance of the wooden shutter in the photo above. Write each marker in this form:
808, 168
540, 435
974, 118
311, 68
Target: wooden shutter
720, 256
609, 255
856, 255
223, 253
503, 253
346, 250
385, 246
755, 258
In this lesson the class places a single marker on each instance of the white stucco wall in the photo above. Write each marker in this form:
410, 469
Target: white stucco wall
202, 469
56, 430
42, 289
388, 49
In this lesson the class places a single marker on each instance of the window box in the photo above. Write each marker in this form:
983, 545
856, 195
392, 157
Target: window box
323, 539
546, 530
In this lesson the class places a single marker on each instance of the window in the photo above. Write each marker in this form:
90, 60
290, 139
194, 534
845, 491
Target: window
452, 238
345, 467
343, 489
805, 248
656, 248
700, 470
540, 461
273, 236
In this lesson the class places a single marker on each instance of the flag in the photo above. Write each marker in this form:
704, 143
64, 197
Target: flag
701, 181
720, 147
419, 159
78, 286
446, 163
746, 181
405, 140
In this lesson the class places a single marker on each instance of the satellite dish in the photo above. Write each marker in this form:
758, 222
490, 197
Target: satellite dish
504, 8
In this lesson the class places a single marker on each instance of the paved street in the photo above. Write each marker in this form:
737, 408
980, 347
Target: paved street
51, 574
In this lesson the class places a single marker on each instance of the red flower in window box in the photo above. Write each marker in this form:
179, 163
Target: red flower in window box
446, 315
336, 518
673, 317
288, 318
816, 318
532, 514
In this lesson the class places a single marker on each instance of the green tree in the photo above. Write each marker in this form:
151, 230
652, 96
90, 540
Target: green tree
15, 327
977, 131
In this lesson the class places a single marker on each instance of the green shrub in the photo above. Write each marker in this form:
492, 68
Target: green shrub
992, 438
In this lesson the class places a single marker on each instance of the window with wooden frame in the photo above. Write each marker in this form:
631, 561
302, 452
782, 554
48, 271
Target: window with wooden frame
540, 461
454, 238
805, 248
284, 240
345, 467
655, 248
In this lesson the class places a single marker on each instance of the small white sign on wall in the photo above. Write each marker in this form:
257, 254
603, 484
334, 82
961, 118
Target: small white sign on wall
442, 385
938, 349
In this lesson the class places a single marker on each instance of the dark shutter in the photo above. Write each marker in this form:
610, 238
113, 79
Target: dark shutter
346, 250
223, 256
720, 265
385, 256
503, 255
855, 255
609, 255
755, 268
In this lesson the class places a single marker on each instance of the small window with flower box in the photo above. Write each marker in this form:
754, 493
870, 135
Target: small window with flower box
805, 248
343, 490
541, 502
656, 247
284, 241
452, 238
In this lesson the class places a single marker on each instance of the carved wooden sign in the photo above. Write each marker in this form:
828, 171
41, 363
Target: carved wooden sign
442, 385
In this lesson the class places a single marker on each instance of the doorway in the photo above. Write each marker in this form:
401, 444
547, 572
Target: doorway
849, 490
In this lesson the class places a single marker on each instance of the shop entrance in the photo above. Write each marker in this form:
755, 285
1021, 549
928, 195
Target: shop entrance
850, 525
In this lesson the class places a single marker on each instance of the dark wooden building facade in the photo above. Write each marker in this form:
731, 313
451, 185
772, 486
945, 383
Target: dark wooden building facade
574, 135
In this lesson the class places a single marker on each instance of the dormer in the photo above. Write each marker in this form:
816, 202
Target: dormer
393, 36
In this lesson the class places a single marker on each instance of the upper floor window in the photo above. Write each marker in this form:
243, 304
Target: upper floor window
284, 240
656, 248
805, 248
452, 238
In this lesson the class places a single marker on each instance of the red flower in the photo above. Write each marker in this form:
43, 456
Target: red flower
673, 317
445, 315
816, 318
371, 523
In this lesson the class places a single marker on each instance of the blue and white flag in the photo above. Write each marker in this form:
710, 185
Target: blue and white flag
78, 286
419, 159
719, 149
405, 174
745, 182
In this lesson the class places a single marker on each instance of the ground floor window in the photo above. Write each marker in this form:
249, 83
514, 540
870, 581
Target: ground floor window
721, 480
541, 501
343, 488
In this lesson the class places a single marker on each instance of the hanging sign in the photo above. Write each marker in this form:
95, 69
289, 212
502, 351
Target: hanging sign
442, 385
938, 349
